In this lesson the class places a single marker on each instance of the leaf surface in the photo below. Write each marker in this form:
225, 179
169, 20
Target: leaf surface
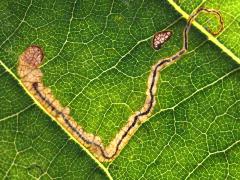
98, 57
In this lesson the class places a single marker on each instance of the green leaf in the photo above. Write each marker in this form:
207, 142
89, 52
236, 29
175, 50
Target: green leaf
98, 57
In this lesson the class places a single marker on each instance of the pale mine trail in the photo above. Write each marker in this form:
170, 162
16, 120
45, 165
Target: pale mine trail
31, 77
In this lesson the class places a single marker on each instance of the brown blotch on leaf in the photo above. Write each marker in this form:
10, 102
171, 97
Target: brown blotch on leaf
33, 56
160, 38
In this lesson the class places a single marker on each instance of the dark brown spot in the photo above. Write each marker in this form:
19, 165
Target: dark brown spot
160, 38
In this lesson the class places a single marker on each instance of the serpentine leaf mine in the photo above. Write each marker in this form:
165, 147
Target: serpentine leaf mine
31, 77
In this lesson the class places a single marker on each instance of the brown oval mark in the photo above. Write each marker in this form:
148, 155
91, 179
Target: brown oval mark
33, 55
160, 38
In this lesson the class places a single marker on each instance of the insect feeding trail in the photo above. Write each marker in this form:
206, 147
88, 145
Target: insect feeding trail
31, 77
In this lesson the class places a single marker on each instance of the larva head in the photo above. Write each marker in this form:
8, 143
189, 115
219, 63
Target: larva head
160, 38
33, 56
